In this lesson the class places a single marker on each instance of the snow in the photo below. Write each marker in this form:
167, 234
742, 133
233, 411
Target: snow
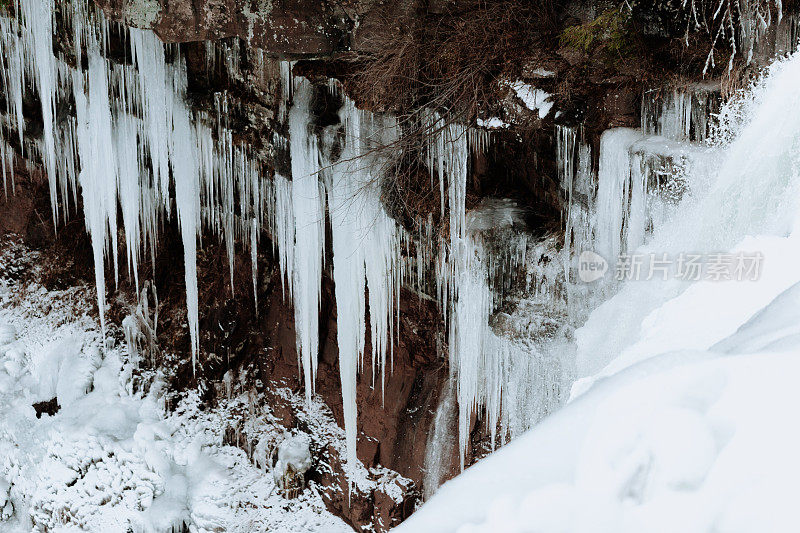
492, 123
110, 460
293, 452
684, 419
534, 99
687, 441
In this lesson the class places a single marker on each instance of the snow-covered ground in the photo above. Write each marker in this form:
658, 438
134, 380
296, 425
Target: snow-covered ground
111, 460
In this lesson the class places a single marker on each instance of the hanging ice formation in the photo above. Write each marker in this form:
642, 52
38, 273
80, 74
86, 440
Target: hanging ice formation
641, 175
366, 250
680, 114
134, 141
308, 204
502, 366
336, 175
574, 165
131, 134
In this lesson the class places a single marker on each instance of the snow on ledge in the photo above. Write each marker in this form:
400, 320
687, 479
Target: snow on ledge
533, 98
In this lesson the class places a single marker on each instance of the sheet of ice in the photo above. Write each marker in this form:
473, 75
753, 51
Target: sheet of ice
619, 198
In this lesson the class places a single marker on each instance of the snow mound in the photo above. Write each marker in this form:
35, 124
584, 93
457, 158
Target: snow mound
682, 442
294, 454
66, 369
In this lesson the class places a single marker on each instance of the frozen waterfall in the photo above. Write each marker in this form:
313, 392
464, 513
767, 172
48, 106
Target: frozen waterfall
134, 147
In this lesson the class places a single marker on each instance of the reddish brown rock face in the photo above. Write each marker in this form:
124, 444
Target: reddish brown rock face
394, 417
17, 201
292, 28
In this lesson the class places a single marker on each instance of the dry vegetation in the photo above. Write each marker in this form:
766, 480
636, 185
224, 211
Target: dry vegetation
452, 61
737, 23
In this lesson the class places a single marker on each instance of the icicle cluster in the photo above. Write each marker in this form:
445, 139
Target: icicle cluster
134, 146
640, 180
336, 175
574, 164
682, 114
308, 207
493, 374
366, 251
132, 138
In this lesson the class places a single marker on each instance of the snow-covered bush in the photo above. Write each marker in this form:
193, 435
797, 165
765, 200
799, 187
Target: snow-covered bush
294, 460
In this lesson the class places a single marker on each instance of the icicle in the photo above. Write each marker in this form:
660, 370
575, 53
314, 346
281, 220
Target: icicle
573, 158
469, 324
349, 272
282, 229
308, 208
187, 200
254, 231
614, 187
155, 93
98, 177
37, 18
681, 114
128, 170
365, 252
